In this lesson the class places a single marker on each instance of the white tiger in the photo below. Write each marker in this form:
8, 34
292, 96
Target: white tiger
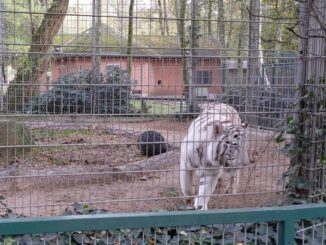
215, 143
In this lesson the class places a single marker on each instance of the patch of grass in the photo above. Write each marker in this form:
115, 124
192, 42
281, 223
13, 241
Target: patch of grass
159, 107
41, 134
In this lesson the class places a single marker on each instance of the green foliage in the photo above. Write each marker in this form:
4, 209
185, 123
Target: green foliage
77, 93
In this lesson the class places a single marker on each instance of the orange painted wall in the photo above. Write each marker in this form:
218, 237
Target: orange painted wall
150, 76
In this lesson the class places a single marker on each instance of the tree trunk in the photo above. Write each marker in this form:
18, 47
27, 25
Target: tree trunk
166, 24
193, 54
307, 175
2, 65
37, 59
160, 14
209, 16
130, 36
242, 41
262, 72
254, 36
31, 22
229, 37
253, 68
43, 37
96, 58
183, 45
279, 30
177, 15
221, 26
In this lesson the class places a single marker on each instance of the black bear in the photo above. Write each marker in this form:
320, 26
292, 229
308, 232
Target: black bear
151, 143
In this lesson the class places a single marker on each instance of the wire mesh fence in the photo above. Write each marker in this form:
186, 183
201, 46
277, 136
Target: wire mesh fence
302, 224
88, 117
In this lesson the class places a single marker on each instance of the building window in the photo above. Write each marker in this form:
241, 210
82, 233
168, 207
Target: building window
159, 82
203, 77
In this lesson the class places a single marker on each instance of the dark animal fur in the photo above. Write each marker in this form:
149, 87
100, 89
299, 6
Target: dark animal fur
151, 143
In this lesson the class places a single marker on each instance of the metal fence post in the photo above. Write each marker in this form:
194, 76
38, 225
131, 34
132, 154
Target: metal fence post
286, 232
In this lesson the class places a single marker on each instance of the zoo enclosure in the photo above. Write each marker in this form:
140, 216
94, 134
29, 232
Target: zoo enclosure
80, 113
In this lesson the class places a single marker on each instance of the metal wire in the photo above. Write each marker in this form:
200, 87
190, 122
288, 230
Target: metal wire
71, 128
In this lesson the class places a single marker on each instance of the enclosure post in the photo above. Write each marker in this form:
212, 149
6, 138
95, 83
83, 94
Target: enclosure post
273, 72
286, 232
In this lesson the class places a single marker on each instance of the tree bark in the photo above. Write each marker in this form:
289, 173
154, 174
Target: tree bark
279, 30
166, 24
130, 36
221, 26
253, 68
193, 54
242, 41
2, 65
309, 145
183, 44
43, 38
177, 16
160, 14
209, 17
96, 58
254, 35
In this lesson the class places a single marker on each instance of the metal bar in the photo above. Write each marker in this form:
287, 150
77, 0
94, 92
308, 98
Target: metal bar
286, 232
287, 214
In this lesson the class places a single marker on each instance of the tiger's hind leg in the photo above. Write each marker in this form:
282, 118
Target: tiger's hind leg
207, 185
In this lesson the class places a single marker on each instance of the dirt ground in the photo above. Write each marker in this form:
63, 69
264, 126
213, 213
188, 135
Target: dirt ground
74, 162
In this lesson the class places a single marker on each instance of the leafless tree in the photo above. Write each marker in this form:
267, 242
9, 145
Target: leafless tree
37, 59
130, 34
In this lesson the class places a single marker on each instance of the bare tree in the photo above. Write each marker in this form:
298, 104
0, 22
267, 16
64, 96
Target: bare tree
43, 39
96, 58
160, 13
183, 43
166, 24
130, 35
279, 31
37, 59
176, 8
242, 41
253, 70
193, 53
209, 16
221, 25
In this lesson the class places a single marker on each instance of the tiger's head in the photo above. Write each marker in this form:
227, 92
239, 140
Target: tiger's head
228, 146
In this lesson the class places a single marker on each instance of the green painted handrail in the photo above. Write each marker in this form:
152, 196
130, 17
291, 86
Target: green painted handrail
286, 215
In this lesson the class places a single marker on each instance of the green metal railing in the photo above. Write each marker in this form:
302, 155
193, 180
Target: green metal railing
286, 217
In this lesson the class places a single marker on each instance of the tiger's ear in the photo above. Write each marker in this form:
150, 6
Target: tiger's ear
244, 125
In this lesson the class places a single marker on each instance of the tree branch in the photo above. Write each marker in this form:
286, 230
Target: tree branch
303, 37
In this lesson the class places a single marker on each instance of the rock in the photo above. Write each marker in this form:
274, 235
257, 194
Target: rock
13, 133
151, 143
